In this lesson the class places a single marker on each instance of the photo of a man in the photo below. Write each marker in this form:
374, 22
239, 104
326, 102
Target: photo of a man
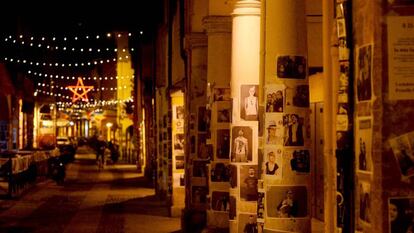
242, 144
249, 182
364, 73
286, 201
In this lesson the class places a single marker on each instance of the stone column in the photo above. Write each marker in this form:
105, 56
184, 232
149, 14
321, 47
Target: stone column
245, 72
218, 84
287, 139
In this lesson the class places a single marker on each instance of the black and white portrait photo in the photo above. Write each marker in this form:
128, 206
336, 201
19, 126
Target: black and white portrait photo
300, 161
224, 112
292, 67
403, 153
273, 162
233, 176
294, 130
232, 208
365, 202
220, 201
223, 144
274, 129
401, 214
204, 117
274, 98
364, 73
241, 149
221, 94
249, 101
199, 195
286, 201
179, 161
199, 168
247, 223
297, 96
248, 182
220, 172
179, 141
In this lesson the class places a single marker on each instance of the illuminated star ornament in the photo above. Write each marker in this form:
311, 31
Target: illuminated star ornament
80, 91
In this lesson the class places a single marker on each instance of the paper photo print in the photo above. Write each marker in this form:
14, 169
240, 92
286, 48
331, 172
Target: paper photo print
297, 96
224, 112
363, 143
299, 160
247, 223
274, 129
249, 102
223, 144
241, 148
294, 130
221, 94
364, 73
179, 141
248, 182
402, 148
365, 202
220, 172
179, 161
275, 98
286, 201
220, 201
401, 214
291, 67
273, 162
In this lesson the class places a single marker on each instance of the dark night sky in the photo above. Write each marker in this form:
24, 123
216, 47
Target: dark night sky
66, 16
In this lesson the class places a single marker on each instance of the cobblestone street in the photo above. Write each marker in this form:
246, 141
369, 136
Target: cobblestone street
115, 200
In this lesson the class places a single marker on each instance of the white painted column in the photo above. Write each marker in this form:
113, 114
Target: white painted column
287, 135
245, 73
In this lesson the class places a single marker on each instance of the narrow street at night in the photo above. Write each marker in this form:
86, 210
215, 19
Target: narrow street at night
116, 199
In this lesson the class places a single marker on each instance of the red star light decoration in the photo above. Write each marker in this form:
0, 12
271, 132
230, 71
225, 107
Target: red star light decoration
83, 90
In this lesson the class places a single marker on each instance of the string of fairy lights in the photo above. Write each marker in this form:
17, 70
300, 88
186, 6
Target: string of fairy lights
57, 64
67, 77
68, 44
55, 86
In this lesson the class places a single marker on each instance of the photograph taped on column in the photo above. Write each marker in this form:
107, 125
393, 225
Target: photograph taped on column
295, 128
272, 165
220, 201
297, 96
274, 129
364, 189
363, 145
299, 161
249, 102
248, 183
247, 223
242, 144
220, 172
275, 98
291, 67
403, 150
221, 94
286, 201
223, 144
261, 206
232, 207
400, 214
224, 111
363, 72
204, 117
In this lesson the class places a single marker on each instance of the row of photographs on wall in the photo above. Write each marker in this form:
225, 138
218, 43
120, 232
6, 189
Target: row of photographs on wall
275, 160
278, 202
250, 223
400, 211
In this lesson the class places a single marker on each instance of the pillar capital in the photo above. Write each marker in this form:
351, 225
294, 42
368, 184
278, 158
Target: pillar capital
247, 7
195, 39
217, 24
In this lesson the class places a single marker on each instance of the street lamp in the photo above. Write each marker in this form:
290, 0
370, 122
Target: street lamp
108, 126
